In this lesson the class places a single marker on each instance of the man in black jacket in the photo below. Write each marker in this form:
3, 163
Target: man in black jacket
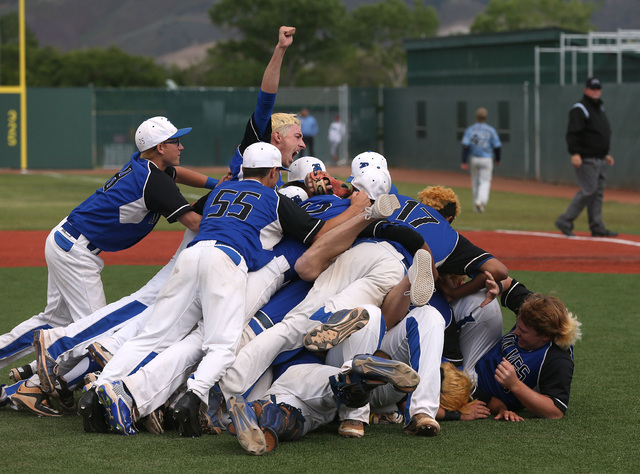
588, 139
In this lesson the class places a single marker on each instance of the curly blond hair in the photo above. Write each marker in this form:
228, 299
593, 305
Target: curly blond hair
282, 122
455, 391
444, 200
547, 315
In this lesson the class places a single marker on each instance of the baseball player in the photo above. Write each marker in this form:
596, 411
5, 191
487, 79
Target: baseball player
361, 275
532, 365
281, 130
242, 219
115, 217
307, 395
481, 141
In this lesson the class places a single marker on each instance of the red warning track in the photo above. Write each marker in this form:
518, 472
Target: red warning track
537, 251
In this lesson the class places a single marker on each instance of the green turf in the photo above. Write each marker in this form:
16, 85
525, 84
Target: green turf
599, 433
40, 201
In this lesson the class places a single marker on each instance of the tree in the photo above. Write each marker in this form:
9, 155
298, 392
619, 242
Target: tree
378, 31
508, 15
241, 62
331, 46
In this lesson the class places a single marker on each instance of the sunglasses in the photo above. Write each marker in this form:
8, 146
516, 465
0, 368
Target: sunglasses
595, 88
175, 141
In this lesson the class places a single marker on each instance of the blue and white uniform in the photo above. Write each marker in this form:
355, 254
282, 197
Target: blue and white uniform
242, 221
548, 370
115, 217
481, 141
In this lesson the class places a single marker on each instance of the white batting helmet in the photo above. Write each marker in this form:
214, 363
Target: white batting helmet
294, 192
372, 180
368, 158
303, 166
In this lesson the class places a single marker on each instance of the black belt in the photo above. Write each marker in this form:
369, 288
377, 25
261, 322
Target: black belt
75, 233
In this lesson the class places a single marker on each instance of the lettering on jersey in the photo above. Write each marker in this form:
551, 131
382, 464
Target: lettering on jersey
117, 177
416, 221
313, 208
231, 197
510, 351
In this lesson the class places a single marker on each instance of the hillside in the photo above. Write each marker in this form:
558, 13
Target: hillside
180, 32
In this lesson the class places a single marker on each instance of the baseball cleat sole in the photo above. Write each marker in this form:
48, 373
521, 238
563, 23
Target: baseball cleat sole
329, 334
245, 423
396, 373
421, 278
44, 365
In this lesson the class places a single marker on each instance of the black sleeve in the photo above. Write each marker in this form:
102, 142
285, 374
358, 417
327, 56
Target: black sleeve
556, 375
161, 195
406, 236
252, 135
465, 259
577, 121
515, 296
466, 150
296, 222
198, 206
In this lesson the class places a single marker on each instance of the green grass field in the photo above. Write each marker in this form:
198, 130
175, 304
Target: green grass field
599, 433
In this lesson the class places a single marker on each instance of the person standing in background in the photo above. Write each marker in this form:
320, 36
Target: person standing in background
588, 140
481, 141
309, 127
337, 131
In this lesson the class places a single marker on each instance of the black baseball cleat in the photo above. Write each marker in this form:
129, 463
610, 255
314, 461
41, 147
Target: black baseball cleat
93, 416
186, 413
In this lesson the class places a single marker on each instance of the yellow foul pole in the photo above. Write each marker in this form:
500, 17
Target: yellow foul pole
23, 89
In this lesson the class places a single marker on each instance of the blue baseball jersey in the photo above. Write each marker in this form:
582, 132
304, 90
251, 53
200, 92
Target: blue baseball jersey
325, 206
129, 205
481, 139
252, 218
436, 231
547, 370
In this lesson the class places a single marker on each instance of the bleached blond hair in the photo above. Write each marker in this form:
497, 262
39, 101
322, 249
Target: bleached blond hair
282, 122
547, 315
444, 200
455, 390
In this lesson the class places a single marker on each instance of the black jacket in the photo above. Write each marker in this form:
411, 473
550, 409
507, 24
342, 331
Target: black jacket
589, 132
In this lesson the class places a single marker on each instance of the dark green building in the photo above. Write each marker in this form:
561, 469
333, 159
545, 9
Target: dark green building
510, 57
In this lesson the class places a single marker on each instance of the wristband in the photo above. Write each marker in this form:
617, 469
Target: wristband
452, 415
211, 183
499, 286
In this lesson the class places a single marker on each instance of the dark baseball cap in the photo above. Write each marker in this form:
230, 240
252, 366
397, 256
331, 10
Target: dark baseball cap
593, 83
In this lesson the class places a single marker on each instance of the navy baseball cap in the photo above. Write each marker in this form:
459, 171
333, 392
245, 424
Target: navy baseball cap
593, 83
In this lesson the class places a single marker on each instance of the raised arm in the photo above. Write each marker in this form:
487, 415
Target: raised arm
271, 77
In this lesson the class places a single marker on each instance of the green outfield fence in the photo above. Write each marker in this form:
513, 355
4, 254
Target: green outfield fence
414, 127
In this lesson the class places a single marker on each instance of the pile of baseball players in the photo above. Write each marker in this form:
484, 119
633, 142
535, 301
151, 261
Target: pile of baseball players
286, 306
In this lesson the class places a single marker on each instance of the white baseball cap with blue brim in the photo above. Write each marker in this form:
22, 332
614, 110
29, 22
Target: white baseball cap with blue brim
301, 167
262, 155
156, 130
